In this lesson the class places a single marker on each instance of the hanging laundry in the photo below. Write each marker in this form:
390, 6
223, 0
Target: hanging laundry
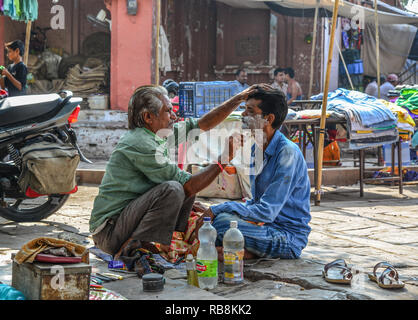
20, 10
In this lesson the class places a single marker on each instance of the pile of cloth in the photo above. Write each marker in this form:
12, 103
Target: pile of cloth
370, 123
408, 100
51, 246
20, 10
86, 81
405, 124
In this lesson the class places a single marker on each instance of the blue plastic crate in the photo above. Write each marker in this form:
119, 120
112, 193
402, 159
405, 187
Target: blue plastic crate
387, 154
198, 98
356, 67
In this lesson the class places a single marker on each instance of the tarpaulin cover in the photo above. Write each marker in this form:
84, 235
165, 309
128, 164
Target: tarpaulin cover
395, 42
306, 8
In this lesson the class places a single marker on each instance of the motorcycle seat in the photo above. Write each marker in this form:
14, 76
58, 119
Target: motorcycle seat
14, 110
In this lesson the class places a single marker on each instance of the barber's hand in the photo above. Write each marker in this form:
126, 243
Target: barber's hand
199, 223
234, 142
243, 95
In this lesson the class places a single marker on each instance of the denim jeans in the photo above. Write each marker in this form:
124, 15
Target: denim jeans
265, 241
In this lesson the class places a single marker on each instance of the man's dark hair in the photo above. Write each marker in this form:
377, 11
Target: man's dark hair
239, 71
276, 71
272, 102
17, 44
290, 72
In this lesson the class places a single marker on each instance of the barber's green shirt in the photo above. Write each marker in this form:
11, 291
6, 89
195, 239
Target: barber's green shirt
139, 162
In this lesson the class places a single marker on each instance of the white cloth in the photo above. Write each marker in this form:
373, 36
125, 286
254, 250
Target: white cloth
164, 52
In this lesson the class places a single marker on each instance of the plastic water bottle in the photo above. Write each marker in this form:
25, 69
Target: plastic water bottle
207, 256
233, 244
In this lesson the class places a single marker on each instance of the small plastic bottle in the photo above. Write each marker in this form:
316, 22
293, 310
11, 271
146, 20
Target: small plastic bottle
191, 271
207, 256
233, 245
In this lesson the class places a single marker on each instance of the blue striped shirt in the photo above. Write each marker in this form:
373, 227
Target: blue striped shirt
281, 193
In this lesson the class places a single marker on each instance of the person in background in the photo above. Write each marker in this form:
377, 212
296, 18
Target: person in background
241, 79
294, 90
172, 88
14, 76
371, 88
279, 80
390, 84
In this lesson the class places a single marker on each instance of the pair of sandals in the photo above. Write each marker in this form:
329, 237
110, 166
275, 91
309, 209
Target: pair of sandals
338, 272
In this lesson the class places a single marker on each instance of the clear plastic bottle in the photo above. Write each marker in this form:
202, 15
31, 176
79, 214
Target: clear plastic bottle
233, 246
207, 256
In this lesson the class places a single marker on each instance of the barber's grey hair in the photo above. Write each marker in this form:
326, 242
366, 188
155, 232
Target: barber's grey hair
145, 99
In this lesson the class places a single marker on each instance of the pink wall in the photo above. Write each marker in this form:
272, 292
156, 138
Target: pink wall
131, 57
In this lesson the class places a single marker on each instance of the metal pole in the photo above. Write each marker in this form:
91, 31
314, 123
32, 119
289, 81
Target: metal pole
313, 48
324, 106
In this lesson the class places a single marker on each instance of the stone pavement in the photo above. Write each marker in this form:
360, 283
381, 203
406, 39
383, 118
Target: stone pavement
382, 226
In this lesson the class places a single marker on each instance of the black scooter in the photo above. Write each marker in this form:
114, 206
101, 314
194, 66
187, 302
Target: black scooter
23, 118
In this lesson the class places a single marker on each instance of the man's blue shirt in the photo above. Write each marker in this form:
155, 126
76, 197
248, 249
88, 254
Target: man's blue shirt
281, 192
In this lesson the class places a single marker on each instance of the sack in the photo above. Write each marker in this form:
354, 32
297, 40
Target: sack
226, 185
49, 167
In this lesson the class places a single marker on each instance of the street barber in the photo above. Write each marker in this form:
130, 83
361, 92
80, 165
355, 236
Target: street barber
144, 197
274, 222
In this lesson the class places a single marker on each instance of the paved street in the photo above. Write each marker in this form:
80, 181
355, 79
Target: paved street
383, 226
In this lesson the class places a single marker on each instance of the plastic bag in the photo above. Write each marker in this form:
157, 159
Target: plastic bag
10, 293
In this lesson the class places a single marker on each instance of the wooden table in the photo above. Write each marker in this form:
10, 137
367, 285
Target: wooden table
299, 126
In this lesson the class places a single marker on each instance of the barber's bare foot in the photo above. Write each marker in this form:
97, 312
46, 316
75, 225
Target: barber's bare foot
121, 251
149, 246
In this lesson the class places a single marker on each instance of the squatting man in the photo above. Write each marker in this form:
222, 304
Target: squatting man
143, 200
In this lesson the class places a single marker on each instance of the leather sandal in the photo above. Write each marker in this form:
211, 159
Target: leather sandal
388, 279
337, 272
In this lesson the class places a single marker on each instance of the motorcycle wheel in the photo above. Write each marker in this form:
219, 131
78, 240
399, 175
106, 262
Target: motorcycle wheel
32, 210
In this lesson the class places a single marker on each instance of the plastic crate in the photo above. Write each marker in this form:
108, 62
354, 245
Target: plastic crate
387, 154
198, 98
356, 67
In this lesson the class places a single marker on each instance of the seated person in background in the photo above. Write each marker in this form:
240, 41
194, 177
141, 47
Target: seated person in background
274, 222
279, 80
372, 88
294, 90
390, 84
144, 197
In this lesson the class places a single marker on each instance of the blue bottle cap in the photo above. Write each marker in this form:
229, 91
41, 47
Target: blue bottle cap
206, 219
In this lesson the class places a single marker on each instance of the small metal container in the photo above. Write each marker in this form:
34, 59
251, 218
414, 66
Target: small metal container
153, 282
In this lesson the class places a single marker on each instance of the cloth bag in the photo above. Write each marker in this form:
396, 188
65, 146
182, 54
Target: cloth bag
49, 167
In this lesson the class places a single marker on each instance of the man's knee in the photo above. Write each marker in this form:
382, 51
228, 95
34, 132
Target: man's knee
174, 189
